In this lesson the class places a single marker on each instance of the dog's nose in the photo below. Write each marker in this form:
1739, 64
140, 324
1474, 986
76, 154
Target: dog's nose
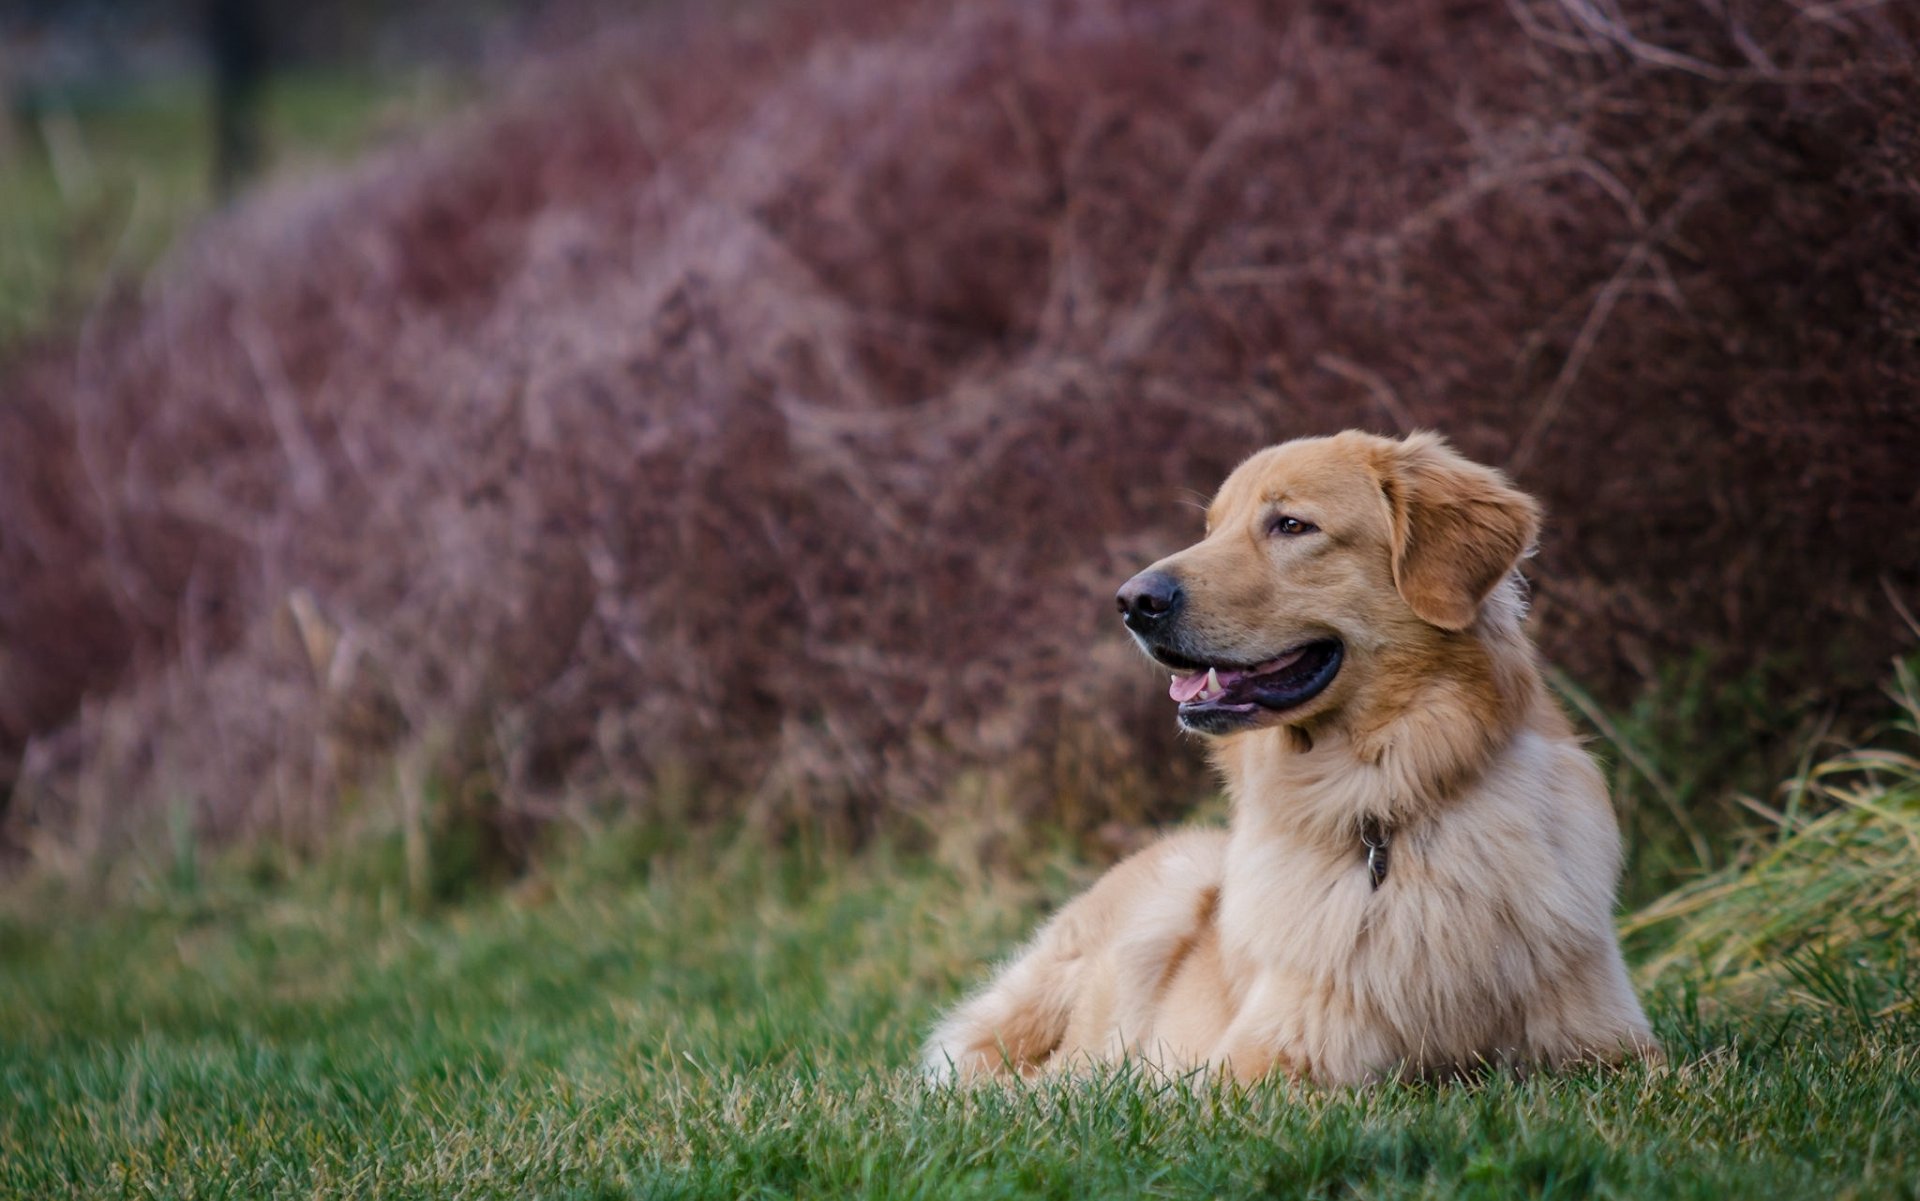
1148, 599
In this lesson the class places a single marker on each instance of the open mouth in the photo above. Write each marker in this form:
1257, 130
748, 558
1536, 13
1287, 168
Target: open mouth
1215, 700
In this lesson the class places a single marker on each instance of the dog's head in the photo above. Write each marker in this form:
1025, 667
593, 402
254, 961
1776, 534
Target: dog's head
1325, 560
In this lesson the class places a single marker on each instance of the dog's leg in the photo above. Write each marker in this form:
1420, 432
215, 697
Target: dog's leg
1015, 1024
1253, 1046
1287, 1027
1593, 1017
1086, 987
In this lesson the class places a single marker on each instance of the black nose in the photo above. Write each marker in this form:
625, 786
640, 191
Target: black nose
1148, 600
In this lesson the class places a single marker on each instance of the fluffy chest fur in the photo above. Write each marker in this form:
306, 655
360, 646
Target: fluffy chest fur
1487, 902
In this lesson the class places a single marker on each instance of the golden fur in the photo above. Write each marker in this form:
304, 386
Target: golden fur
1265, 947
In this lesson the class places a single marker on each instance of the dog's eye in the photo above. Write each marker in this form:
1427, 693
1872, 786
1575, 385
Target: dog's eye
1292, 527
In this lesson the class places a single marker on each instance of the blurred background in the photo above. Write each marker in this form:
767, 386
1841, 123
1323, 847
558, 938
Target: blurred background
453, 419
128, 118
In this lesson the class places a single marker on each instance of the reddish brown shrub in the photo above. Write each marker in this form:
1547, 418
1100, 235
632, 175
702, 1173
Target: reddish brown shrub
776, 407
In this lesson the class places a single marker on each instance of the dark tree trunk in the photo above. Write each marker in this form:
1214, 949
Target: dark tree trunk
237, 46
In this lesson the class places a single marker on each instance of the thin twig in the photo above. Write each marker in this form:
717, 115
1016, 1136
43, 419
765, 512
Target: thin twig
1374, 383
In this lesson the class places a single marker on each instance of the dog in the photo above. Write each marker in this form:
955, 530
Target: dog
1418, 876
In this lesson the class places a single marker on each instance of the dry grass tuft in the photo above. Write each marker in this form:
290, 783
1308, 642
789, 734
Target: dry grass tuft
1825, 913
775, 403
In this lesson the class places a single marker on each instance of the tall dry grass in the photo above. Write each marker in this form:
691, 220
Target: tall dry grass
771, 403
1823, 909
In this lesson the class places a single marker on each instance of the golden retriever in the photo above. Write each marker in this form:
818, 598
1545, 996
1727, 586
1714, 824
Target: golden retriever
1418, 878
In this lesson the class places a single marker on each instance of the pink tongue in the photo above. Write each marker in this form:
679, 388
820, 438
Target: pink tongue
1185, 688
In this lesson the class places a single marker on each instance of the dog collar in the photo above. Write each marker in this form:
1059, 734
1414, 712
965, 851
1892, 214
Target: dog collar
1373, 836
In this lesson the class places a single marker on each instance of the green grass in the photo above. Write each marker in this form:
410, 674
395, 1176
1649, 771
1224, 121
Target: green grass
654, 1013
1823, 907
734, 1022
99, 180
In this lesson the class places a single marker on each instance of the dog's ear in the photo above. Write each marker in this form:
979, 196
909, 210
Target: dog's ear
1458, 528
